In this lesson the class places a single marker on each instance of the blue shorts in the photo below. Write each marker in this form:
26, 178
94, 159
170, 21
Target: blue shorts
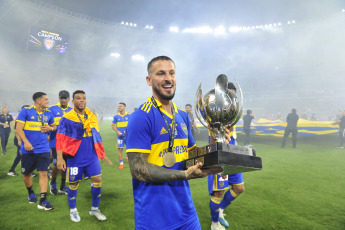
217, 183
121, 141
54, 154
74, 174
31, 161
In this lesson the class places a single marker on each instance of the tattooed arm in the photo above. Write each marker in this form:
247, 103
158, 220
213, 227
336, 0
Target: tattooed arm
144, 171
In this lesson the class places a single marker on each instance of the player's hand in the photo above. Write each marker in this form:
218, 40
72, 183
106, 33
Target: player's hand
195, 171
61, 164
19, 143
119, 133
46, 128
28, 146
227, 135
198, 131
107, 160
6, 126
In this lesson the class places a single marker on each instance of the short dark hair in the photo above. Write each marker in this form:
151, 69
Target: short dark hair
38, 95
294, 111
249, 111
231, 86
24, 106
159, 58
188, 105
122, 103
77, 92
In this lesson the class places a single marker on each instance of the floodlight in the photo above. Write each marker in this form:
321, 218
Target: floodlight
220, 30
138, 57
174, 29
115, 55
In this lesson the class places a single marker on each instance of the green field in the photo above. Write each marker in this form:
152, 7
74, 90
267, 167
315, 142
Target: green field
299, 188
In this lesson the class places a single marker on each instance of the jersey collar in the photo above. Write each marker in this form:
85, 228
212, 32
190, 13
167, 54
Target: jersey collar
160, 105
122, 115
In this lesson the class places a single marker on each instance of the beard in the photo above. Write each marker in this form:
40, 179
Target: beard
162, 96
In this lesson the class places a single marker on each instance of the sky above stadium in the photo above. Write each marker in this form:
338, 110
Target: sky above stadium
293, 65
190, 13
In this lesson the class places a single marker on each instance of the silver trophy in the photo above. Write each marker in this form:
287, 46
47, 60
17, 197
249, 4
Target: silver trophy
218, 109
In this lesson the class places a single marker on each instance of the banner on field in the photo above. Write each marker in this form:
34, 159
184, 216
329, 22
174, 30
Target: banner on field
47, 41
277, 127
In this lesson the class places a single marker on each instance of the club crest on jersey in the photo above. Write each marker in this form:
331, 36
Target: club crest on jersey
72, 178
184, 128
45, 118
23, 170
48, 43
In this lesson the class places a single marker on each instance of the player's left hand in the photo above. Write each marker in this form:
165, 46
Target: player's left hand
107, 160
46, 128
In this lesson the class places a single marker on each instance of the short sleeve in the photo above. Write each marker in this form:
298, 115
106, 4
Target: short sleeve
114, 120
22, 116
139, 137
11, 119
191, 141
51, 119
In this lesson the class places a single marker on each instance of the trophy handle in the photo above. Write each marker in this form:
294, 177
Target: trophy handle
238, 117
199, 106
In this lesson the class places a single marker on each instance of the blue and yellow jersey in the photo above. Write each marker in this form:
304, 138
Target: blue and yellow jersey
32, 129
121, 121
57, 112
154, 202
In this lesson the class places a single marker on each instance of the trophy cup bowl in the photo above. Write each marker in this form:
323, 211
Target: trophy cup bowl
218, 109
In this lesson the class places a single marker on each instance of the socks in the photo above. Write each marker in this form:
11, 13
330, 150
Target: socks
96, 194
121, 162
229, 196
72, 196
53, 181
43, 197
214, 207
63, 182
30, 191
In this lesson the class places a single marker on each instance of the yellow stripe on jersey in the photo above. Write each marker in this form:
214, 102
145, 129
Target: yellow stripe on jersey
33, 125
180, 150
148, 110
138, 151
145, 106
121, 124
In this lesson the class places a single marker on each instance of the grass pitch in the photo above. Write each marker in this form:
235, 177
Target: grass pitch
299, 188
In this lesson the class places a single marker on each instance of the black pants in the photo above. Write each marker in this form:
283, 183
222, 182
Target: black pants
341, 137
17, 159
287, 132
4, 134
247, 137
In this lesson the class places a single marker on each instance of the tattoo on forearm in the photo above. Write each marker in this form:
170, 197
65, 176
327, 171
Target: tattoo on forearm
144, 171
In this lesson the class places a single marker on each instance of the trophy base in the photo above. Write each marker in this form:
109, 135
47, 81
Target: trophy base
231, 163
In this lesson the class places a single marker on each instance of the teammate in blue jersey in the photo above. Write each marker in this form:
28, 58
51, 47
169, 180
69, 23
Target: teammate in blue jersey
158, 140
58, 111
119, 125
78, 137
32, 126
217, 184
